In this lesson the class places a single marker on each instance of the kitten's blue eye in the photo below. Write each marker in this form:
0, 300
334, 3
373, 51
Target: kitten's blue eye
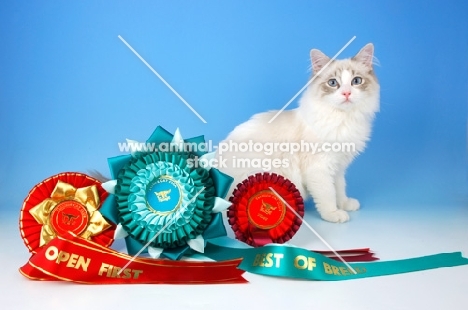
332, 83
356, 81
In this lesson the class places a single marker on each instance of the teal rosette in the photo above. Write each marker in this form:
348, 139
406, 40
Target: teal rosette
165, 202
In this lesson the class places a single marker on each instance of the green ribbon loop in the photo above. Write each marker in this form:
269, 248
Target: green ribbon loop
292, 262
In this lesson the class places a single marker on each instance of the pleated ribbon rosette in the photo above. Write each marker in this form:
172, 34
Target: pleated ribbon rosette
166, 202
66, 202
259, 216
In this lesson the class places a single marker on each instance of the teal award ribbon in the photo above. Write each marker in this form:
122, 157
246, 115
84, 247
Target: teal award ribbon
165, 202
292, 262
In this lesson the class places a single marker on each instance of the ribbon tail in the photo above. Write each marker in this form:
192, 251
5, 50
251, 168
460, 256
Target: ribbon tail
197, 244
178, 141
222, 182
96, 264
314, 266
206, 161
216, 228
109, 186
120, 232
176, 253
34, 274
220, 205
261, 237
154, 252
134, 145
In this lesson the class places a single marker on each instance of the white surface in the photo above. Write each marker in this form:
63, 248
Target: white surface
391, 232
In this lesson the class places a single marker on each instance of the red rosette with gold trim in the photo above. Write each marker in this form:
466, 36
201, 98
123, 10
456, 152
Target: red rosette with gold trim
258, 216
66, 202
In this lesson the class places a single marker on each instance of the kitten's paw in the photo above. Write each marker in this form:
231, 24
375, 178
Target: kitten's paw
350, 204
337, 216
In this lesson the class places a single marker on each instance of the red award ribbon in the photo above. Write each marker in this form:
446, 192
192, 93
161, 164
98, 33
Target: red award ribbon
74, 259
66, 202
258, 216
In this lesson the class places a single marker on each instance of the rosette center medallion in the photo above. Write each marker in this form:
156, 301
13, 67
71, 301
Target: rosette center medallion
265, 210
69, 216
163, 195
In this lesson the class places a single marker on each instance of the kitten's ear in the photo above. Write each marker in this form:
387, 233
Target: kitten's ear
318, 60
366, 55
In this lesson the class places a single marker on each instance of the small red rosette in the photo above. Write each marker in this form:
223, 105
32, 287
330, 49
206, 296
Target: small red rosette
258, 216
66, 202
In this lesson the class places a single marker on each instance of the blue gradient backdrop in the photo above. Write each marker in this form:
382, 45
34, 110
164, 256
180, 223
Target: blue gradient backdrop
70, 90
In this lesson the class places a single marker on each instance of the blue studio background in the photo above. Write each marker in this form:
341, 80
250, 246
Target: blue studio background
70, 90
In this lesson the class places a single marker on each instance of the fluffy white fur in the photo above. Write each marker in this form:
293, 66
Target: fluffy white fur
326, 113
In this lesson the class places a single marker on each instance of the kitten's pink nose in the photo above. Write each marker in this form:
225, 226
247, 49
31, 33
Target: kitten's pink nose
346, 94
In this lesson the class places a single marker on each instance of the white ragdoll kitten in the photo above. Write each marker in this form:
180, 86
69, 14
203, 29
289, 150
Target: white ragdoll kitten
338, 106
